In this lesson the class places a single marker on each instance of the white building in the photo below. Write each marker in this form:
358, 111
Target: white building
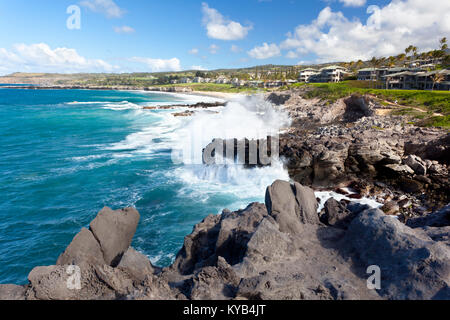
186, 80
222, 80
330, 74
306, 74
238, 83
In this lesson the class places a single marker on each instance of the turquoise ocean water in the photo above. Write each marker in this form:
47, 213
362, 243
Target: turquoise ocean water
65, 154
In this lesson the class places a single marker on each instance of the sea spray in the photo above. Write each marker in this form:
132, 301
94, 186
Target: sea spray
245, 117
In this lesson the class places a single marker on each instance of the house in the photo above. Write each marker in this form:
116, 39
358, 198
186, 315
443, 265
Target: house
185, 80
306, 74
222, 80
256, 84
330, 74
274, 84
198, 80
173, 81
238, 83
371, 74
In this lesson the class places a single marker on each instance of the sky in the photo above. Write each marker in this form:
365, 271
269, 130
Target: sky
69, 36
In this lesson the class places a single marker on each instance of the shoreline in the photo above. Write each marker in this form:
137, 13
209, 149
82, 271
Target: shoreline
225, 96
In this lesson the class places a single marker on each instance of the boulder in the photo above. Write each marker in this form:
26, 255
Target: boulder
236, 229
307, 204
136, 264
417, 164
440, 218
215, 283
12, 292
114, 231
282, 206
436, 149
391, 208
400, 169
291, 206
413, 266
84, 249
336, 214
60, 283
223, 235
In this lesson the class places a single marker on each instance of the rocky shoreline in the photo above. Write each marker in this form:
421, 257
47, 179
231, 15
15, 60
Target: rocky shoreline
347, 144
285, 248
274, 251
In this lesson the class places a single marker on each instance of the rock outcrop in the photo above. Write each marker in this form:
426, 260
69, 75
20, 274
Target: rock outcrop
278, 250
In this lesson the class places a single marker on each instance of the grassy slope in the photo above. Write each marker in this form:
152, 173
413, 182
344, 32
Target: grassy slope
429, 101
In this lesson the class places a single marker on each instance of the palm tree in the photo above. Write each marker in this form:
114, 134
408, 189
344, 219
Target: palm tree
391, 61
414, 51
388, 79
443, 43
437, 78
401, 57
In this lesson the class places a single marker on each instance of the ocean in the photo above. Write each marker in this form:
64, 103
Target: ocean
65, 154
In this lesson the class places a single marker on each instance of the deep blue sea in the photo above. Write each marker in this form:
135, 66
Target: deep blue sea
65, 154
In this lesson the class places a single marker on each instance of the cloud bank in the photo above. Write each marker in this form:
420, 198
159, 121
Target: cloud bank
106, 7
40, 57
387, 31
218, 27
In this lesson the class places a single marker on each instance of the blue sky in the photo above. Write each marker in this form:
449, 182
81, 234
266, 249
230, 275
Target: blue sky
151, 35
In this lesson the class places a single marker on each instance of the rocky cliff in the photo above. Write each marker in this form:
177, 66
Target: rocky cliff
282, 249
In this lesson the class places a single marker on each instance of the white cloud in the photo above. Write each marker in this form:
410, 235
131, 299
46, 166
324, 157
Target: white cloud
124, 30
218, 27
292, 55
234, 48
353, 3
213, 49
40, 57
107, 7
193, 51
198, 68
387, 31
159, 65
265, 51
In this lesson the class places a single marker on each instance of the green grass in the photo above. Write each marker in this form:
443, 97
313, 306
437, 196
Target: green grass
430, 102
443, 122
434, 101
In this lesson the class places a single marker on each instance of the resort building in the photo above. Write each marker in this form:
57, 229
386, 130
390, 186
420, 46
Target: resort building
198, 80
409, 80
238, 83
185, 80
330, 74
222, 80
306, 74
371, 74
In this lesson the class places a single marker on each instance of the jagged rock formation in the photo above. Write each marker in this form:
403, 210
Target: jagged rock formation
352, 143
280, 250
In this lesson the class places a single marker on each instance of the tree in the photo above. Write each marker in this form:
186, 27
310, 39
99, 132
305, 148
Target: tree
388, 79
391, 62
437, 78
414, 51
443, 44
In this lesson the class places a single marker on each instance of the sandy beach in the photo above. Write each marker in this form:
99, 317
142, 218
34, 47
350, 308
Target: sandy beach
221, 95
